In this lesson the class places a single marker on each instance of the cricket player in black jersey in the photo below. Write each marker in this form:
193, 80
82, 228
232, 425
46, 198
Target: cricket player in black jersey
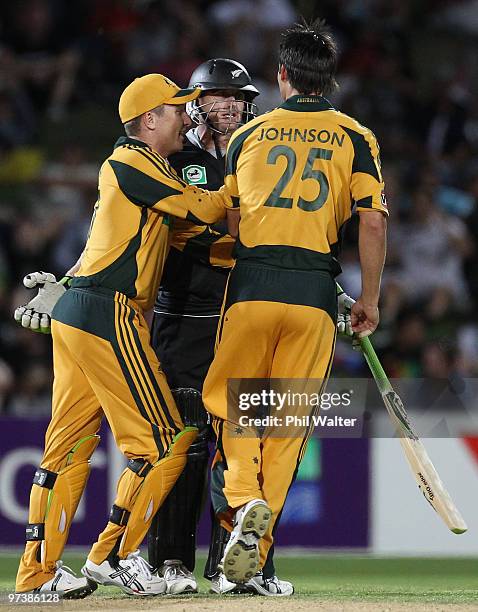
184, 327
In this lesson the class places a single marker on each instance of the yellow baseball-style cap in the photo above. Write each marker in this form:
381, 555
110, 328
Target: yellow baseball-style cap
148, 92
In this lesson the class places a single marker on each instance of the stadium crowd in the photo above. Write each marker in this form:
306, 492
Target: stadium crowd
408, 70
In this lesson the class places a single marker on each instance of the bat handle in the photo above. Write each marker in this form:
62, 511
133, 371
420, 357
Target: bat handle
370, 355
338, 288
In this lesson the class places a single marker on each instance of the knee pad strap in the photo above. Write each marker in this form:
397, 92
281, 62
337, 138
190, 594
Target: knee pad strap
141, 467
35, 532
119, 516
45, 478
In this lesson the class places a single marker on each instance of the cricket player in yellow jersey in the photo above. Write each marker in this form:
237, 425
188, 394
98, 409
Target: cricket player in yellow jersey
294, 174
103, 361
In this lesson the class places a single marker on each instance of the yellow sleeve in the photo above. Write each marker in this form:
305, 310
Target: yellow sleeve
156, 185
194, 204
230, 182
367, 186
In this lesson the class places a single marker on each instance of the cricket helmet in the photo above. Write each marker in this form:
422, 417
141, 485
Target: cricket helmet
221, 74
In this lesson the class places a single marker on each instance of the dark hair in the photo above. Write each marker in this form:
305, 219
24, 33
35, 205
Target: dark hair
133, 127
309, 54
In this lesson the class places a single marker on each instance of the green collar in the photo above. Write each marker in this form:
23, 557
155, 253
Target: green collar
306, 103
125, 140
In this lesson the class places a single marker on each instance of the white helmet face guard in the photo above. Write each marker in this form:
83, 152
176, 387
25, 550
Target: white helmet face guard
200, 114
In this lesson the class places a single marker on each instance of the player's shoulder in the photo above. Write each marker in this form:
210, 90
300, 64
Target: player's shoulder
138, 155
248, 128
347, 121
189, 147
189, 153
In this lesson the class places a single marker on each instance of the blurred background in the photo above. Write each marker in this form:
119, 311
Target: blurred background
408, 70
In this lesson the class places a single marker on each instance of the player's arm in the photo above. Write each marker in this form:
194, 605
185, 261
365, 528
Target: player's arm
75, 267
196, 205
230, 180
233, 218
367, 188
372, 247
158, 187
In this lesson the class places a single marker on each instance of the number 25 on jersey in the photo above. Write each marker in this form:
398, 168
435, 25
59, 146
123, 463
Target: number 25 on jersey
275, 198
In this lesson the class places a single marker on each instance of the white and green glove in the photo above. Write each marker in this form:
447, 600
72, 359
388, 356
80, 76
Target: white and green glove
344, 319
36, 314
344, 323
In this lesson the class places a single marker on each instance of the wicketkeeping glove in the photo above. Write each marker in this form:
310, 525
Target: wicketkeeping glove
36, 314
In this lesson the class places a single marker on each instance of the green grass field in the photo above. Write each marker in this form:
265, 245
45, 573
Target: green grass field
349, 578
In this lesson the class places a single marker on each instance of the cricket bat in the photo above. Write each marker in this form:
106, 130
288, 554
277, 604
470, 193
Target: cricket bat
428, 480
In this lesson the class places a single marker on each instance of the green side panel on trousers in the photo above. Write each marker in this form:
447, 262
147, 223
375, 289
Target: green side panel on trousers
91, 312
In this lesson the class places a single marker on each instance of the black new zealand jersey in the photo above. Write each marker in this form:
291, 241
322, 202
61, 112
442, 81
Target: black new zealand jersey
195, 274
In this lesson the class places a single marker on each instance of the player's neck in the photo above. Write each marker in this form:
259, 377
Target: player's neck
289, 91
212, 141
152, 143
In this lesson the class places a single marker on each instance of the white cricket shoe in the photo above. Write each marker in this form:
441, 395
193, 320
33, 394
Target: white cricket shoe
241, 555
270, 587
178, 578
257, 585
133, 575
222, 586
66, 584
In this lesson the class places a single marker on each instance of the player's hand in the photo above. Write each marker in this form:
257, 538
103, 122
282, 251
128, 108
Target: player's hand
344, 323
364, 318
36, 314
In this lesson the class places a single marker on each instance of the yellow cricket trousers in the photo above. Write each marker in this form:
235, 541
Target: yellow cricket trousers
103, 364
276, 323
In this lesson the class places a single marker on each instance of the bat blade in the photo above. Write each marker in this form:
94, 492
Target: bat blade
426, 476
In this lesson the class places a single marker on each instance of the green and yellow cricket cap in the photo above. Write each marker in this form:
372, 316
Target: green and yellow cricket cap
148, 92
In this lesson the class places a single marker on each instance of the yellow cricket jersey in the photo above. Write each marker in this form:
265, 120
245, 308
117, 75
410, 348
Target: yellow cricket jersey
129, 234
296, 173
